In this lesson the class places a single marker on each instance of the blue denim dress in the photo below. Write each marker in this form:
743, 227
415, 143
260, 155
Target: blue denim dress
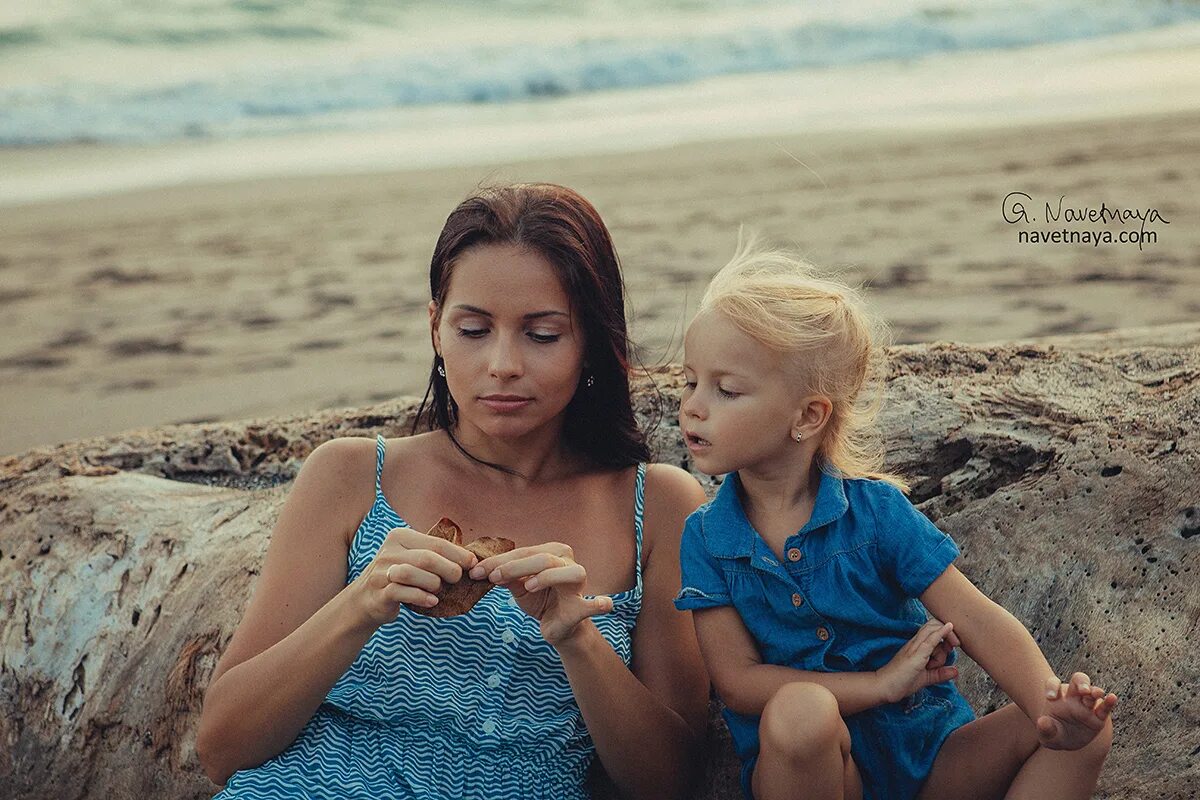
843, 600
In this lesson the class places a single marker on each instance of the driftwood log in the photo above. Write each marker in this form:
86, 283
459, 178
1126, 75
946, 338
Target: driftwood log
1068, 470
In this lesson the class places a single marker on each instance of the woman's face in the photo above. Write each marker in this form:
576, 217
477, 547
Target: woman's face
513, 354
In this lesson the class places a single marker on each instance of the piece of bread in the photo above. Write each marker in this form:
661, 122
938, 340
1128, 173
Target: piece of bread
459, 598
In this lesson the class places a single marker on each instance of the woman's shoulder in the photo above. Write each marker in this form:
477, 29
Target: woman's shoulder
671, 482
353, 459
670, 495
421, 445
346, 465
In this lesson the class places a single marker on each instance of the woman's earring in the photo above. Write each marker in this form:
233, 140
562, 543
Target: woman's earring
591, 381
441, 370
799, 436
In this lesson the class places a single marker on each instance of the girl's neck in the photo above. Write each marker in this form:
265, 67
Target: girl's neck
780, 488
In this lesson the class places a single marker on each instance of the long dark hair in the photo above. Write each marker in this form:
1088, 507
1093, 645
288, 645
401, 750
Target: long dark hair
567, 231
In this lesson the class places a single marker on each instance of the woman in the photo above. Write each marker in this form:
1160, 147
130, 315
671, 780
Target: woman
330, 687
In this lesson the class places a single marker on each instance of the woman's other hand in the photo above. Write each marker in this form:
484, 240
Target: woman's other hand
548, 584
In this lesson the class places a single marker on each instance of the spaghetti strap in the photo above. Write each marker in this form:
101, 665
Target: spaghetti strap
380, 447
639, 506
511, 729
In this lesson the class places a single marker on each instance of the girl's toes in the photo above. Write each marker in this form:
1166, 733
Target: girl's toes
1048, 728
1078, 714
1103, 706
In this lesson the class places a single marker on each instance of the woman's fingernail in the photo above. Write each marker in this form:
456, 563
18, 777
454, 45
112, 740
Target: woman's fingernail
477, 573
531, 584
431, 600
495, 576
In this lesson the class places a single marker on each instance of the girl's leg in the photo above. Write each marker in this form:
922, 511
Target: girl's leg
982, 758
1063, 773
998, 756
804, 748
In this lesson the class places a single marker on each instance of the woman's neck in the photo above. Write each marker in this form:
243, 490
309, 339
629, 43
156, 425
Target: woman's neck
539, 457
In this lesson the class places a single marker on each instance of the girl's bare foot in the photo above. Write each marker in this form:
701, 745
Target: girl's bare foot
1074, 713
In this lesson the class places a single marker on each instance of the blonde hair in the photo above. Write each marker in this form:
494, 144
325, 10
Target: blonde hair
835, 344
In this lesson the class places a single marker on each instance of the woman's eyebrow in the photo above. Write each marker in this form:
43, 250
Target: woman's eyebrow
533, 315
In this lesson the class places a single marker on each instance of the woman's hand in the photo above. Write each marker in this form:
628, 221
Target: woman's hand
1074, 713
548, 585
919, 662
409, 567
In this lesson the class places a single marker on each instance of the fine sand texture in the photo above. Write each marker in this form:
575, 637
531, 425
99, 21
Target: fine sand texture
200, 303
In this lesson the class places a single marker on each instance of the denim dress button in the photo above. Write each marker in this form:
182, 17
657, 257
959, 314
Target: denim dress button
823, 633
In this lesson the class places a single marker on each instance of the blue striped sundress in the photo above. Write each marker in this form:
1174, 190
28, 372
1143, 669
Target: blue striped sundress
473, 706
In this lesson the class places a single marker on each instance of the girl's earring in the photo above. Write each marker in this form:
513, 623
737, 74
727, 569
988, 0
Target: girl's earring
591, 381
799, 436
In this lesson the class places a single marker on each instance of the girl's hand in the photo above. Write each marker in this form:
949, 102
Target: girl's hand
910, 669
1075, 713
548, 585
409, 567
941, 653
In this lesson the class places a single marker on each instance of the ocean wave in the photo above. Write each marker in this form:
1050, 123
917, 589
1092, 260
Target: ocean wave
244, 102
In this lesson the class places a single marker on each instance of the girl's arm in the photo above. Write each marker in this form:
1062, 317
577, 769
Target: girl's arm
745, 684
994, 638
648, 722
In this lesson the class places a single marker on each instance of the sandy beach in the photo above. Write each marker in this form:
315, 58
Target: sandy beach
282, 295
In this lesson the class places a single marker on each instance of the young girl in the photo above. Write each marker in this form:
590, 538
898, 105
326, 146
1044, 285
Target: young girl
810, 574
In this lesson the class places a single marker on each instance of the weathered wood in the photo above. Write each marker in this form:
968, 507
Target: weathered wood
1067, 470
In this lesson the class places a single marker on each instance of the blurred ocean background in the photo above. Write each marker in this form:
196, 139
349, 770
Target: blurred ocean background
220, 209
153, 71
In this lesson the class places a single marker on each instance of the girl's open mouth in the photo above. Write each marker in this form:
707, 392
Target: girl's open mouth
694, 442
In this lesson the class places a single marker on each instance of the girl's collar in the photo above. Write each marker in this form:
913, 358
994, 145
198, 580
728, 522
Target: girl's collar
729, 534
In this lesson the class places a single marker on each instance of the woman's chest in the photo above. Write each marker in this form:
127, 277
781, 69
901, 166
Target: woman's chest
596, 526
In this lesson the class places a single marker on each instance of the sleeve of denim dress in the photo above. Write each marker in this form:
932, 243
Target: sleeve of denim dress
703, 582
912, 549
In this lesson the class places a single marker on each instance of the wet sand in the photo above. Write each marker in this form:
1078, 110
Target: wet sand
290, 294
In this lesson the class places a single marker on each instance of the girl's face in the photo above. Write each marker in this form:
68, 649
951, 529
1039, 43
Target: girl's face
739, 406
506, 334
